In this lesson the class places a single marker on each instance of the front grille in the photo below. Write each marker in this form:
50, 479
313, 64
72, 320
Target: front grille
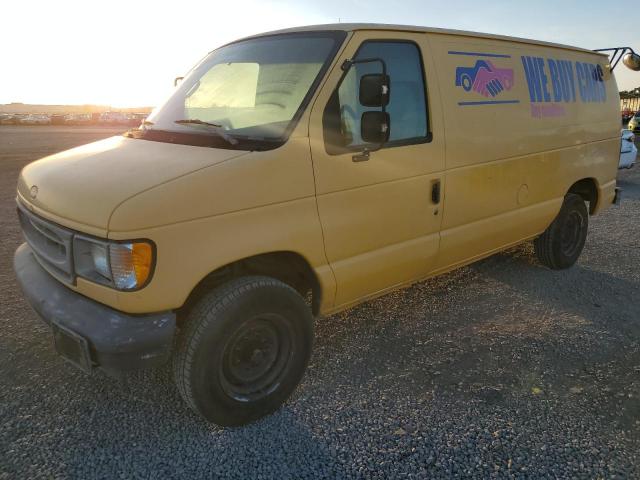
50, 243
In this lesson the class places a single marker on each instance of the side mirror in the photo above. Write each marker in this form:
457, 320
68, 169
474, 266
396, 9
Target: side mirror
375, 127
177, 80
632, 61
374, 90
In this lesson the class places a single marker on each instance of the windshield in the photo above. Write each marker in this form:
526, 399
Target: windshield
252, 90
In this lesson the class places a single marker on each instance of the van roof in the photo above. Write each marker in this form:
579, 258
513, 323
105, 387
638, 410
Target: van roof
350, 27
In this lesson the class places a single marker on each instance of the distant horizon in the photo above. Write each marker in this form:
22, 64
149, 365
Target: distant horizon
88, 104
21, 108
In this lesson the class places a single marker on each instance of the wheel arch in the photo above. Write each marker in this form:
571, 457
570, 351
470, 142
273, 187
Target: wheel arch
587, 188
287, 266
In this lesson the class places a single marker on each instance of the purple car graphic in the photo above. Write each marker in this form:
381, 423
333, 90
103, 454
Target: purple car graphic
485, 78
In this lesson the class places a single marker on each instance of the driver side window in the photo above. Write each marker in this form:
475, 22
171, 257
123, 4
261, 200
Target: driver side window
407, 102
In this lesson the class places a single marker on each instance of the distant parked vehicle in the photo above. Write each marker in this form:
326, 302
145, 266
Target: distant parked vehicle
78, 119
113, 118
135, 119
628, 150
634, 123
35, 120
7, 119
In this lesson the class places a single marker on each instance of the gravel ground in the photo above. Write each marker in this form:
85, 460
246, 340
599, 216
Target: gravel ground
500, 369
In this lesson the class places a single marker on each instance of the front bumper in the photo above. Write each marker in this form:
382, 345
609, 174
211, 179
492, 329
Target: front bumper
88, 333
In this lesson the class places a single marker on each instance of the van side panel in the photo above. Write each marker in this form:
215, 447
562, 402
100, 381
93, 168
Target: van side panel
380, 222
523, 123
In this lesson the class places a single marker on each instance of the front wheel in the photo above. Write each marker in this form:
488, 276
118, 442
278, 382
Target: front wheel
561, 244
243, 350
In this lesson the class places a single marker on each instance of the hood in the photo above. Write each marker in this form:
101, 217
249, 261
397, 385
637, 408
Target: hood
86, 184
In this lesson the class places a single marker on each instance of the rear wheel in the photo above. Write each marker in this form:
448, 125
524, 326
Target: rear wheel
561, 244
243, 351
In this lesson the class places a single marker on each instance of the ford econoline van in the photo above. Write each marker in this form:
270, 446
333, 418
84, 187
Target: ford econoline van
301, 172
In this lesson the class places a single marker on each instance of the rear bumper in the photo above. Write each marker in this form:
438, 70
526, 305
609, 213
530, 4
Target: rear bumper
103, 337
606, 196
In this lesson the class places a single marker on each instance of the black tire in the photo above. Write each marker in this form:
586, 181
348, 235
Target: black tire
243, 350
561, 244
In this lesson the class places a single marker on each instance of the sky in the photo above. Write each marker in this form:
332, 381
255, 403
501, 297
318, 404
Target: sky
127, 53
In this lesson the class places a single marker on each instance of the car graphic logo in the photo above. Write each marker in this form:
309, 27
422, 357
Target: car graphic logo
484, 78
33, 191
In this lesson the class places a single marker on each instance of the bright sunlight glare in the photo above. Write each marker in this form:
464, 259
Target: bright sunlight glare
120, 53
124, 53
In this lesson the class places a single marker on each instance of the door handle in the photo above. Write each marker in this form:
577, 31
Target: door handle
435, 192
361, 157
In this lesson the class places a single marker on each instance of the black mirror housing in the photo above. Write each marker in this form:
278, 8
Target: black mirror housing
374, 90
632, 61
375, 127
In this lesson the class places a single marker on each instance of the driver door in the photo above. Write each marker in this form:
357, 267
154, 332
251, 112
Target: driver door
380, 215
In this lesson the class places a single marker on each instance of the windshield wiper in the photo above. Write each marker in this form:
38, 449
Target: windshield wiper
214, 127
196, 121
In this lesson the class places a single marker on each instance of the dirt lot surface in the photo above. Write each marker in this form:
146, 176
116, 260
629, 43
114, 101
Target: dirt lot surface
499, 369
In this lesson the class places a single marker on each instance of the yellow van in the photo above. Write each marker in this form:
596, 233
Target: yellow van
301, 172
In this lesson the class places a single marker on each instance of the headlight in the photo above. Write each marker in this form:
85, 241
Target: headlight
121, 265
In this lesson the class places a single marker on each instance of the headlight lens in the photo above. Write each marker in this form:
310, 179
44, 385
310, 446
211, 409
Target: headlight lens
130, 264
124, 266
99, 259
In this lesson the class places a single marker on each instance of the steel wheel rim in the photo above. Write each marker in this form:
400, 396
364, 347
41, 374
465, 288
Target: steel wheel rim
256, 358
